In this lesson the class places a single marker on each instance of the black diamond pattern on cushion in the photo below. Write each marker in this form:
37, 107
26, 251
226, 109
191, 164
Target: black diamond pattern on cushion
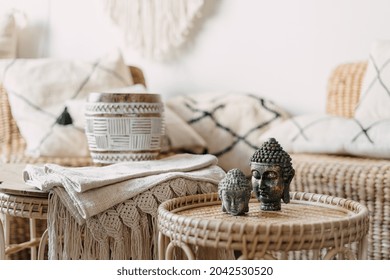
378, 78
237, 138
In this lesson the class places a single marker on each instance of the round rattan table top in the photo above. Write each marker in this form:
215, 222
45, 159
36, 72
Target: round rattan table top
309, 221
18, 199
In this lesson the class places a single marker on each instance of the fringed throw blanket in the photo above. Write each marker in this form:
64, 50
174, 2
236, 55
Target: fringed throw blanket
110, 212
125, 231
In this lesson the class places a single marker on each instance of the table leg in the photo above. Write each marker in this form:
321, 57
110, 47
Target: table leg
162, 245
33, 235
186, 249
2, 242
7, 232
363, 249
42, 245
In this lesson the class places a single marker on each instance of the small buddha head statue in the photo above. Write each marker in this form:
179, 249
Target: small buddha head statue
234, 190
272, 173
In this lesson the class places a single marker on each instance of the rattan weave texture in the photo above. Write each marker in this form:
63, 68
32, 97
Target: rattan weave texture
309, 222
23, 206
15, 207
361, 179
344, 89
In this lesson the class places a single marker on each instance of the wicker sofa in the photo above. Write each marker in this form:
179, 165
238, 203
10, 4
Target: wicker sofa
361, 179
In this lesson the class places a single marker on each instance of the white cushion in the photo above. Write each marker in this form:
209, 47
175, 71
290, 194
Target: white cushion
320, 133
230, 123
374, 101
180, 137
40, 89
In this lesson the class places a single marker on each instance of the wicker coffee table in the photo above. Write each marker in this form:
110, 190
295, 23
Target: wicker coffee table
311, 225
19, 200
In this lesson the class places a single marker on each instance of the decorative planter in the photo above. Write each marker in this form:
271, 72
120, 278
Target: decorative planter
124, 126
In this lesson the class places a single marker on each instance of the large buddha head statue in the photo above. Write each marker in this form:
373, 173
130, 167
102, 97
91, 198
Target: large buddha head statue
272, 173
234, 190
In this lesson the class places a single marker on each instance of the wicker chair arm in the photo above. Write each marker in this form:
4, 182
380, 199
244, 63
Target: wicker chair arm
344, 89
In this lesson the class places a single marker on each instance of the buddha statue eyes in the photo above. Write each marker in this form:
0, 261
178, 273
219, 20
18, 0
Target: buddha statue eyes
267, 175
270, 175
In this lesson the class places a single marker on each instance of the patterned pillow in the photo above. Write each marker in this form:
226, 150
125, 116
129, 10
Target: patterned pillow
179, 136
374, 102
230, 123
43, 95
328, 134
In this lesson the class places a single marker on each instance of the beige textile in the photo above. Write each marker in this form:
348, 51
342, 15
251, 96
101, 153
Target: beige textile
87, 191
126, 231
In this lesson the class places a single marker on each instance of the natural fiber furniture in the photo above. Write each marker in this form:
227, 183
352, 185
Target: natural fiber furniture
326, 225
19, 200
2, 242
365, 180
12, 150
361, 179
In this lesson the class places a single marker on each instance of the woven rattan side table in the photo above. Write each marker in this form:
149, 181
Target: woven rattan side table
319, 226
19, 200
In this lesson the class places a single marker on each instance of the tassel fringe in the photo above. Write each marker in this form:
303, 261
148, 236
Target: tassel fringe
121, 232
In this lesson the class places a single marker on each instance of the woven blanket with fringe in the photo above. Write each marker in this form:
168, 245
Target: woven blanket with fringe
88, 191
126, 231
110, 212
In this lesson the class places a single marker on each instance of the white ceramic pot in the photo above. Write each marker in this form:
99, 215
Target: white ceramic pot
124, 126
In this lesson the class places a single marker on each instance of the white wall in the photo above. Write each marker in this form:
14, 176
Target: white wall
281, 49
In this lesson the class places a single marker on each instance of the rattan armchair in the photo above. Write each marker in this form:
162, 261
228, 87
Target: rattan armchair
361, 179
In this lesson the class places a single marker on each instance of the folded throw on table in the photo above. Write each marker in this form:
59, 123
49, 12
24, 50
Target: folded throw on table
87, 191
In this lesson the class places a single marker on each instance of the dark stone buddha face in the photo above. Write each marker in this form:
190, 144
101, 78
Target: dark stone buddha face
235, 191
272, 173
235, 202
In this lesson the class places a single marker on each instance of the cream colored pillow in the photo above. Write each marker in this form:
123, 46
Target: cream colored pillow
43, 94
326, 134
374, 101
230, 123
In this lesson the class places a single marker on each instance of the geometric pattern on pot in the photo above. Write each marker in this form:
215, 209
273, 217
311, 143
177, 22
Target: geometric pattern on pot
230, 123
125, 129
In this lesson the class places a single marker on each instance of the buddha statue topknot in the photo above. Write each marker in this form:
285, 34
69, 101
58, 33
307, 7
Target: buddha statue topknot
272, 173
234, 190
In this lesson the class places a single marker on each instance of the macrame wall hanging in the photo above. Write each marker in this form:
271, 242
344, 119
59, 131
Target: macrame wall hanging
155, 28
